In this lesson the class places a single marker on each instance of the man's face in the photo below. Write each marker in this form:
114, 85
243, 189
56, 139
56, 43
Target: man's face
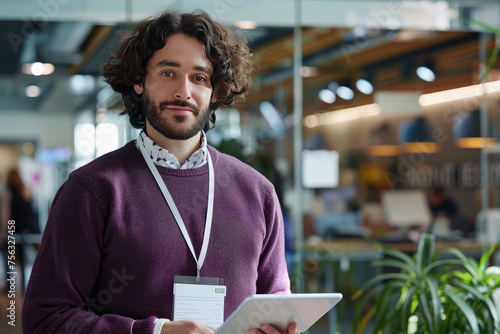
177, 89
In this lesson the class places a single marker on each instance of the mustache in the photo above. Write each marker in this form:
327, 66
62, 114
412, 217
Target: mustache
163, 105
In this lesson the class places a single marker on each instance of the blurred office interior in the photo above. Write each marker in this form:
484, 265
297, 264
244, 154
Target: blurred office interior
372, 118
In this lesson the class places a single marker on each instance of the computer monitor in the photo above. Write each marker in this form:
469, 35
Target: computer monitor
406, 208
320, 169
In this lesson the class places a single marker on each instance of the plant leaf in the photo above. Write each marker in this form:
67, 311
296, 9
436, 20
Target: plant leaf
436, 305
382, 304
400, 255
357, 324
468, 264
361, 303
366, 319
490, 63
393, 263
483, 262
392, 276
405, 308
492, 311
486, 27
427, 313
465, 308
440, 263
425, 251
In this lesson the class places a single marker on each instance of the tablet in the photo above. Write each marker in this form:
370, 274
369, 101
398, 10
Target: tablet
279, 311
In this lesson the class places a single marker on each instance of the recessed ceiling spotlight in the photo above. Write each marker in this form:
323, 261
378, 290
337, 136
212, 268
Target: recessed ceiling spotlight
37, 68
327, 96
364, 86
426, 74
333, 86
32, 91
345, 93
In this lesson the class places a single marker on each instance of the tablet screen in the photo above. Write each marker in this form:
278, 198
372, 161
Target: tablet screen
279, 311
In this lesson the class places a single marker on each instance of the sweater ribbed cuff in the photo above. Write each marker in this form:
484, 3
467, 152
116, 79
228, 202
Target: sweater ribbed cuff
144, 326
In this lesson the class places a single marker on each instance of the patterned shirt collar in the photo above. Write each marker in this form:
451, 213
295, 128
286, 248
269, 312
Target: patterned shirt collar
163, 157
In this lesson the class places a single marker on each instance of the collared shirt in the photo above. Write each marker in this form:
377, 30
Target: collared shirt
163, 157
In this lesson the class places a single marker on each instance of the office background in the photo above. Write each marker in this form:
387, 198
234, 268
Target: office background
392, 87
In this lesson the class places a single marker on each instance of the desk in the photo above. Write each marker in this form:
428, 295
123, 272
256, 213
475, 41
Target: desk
358, 247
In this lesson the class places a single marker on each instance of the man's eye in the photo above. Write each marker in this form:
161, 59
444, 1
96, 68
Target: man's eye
200, 78
167, 73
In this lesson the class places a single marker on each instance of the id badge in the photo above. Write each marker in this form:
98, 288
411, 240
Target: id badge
201, 300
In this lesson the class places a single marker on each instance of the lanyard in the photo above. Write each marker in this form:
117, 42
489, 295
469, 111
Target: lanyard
175, 212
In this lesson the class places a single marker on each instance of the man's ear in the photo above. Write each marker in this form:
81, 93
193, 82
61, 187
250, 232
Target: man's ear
139, 88
214, 98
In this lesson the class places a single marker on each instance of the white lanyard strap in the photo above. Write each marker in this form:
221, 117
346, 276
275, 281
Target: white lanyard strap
175, 212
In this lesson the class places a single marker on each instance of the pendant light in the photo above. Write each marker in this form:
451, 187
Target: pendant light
415, 137
467, 131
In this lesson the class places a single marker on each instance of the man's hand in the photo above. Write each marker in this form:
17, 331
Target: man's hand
186, 327
267, 329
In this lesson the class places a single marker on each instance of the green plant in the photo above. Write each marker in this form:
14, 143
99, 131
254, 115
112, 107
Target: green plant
430, 294
490, 62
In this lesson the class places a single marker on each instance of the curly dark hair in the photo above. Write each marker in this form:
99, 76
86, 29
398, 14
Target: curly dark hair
232, 77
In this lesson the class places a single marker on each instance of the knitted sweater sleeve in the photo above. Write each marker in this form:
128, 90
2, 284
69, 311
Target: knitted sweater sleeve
66, 267
273, 275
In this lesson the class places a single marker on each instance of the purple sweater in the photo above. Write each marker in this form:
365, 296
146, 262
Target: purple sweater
111, 247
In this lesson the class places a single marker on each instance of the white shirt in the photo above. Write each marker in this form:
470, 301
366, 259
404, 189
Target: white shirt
163, 157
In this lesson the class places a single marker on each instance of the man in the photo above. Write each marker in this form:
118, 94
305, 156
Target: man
167, 205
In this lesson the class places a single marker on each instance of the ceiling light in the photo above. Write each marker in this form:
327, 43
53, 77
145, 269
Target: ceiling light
333, 86
327, 96
364, 86
426, 74
340, 116
308, 71
345, 93
414, 137
383, 150
382, 142
48, 69
246, 24
467, 131
458, 93
33, 91
37, 68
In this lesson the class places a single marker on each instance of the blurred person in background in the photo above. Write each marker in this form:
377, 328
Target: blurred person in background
444, 212
18, 207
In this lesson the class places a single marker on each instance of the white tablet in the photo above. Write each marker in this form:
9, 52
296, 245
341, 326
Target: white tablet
279, 311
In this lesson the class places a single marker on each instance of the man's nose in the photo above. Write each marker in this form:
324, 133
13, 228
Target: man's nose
182, 89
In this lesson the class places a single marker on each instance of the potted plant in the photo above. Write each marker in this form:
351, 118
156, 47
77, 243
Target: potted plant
430, 294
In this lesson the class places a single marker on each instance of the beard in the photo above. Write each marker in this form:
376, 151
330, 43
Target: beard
177, 130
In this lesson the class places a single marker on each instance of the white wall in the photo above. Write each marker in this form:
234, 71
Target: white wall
47, 130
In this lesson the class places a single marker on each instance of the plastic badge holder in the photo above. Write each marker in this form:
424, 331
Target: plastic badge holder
279, 311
